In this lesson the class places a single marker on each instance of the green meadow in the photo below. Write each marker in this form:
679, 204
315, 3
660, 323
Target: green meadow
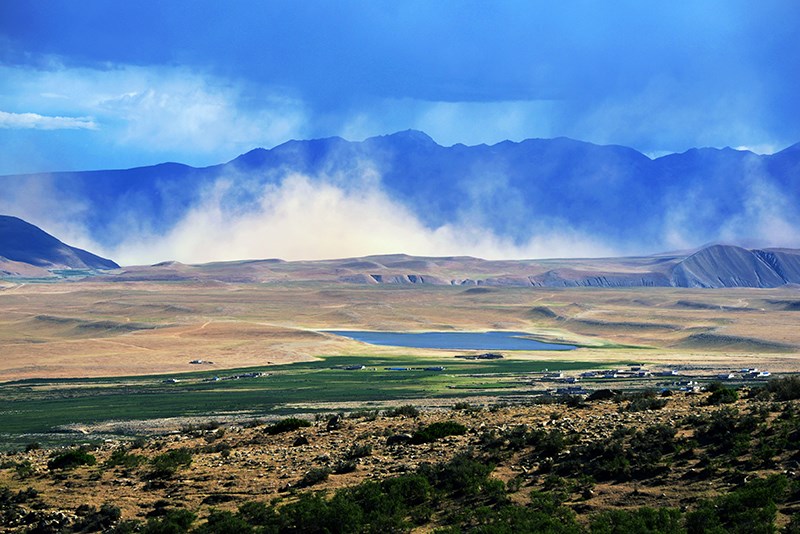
39, 407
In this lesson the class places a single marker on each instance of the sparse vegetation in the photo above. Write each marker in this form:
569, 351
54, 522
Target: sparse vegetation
435, 431
406, 410
287, 425
71, 459
167, 464
716, 455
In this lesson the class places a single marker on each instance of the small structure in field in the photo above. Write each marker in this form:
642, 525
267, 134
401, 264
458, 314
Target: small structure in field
484, 356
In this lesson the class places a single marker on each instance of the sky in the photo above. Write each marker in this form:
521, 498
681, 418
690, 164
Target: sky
111, 84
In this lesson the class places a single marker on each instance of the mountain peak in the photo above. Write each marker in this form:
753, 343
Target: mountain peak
416, 136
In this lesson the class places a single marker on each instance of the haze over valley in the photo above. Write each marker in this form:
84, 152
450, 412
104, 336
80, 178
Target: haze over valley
404, 193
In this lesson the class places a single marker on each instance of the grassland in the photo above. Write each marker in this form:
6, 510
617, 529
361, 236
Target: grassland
82, 353
53, 410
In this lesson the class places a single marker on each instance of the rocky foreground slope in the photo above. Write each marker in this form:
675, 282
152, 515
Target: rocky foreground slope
676, 463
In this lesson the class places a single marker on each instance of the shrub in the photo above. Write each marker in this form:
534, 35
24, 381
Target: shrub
785, 389
660, 520
435, 431
122, 458
287, 425
172, 522
167, 464
24, 469
407, 410
314, 476
71, 459
725, 431
721, 394
358, 451
369, 415
258, 514
222, 522
461, 475
95, 520
344, 466
645, 400
467, 407
751, 509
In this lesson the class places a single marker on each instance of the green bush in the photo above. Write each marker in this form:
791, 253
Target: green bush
220, 522
258, 514
344, 466
407, 410
650, 520
71, 459
287, 425
167, 464
461, 475
314, 476
95, 520
122, 458
358, 451
785, 389
645, 400
725, 432
24, 469
175, 521
750, 509
721, 394
435, 431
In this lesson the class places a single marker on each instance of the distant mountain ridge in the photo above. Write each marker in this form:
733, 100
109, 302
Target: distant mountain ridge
513, 189
23, 245
717, 266
26, 250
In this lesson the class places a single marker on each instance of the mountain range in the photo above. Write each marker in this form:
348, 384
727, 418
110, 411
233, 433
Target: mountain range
512, 189
27, 251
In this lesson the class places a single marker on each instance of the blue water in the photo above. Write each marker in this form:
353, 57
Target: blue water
452, 340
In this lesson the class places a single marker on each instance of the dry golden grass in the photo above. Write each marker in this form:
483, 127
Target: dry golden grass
136, 328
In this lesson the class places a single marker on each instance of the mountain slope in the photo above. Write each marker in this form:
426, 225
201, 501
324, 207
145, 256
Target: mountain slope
24, 243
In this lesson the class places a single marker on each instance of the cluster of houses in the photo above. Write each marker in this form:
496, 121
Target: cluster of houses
431, 368
234, 377
220, 378
484, 356
639, 372
748, 373
362, 367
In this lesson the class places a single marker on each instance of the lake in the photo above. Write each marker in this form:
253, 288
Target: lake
495, 340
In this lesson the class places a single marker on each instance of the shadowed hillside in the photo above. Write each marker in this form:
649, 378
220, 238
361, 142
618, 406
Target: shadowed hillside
23, 242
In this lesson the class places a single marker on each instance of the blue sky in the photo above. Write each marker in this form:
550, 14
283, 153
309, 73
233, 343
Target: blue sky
112, 84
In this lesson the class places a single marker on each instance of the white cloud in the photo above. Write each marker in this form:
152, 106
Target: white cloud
185, 111
311, 219
170, 112
34, 121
